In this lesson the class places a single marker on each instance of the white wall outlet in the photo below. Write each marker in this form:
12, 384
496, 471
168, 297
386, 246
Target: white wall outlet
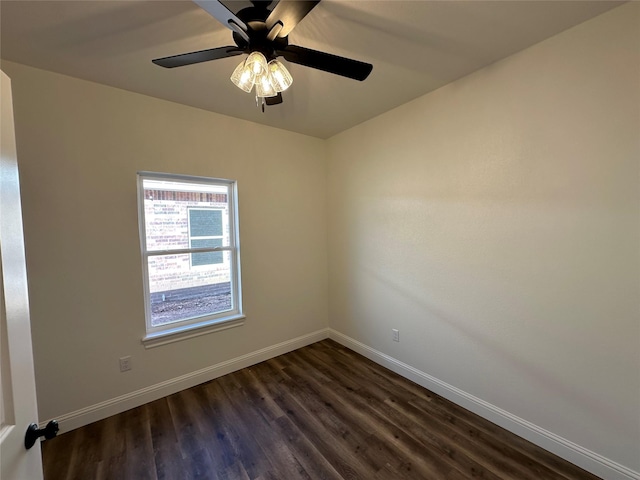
125, 363
396, 334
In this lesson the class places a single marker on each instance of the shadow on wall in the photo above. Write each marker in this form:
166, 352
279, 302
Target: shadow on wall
537, 375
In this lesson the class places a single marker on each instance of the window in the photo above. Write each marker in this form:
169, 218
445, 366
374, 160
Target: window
190, 254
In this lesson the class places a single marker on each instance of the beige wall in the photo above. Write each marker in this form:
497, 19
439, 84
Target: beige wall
495, 223
80, 145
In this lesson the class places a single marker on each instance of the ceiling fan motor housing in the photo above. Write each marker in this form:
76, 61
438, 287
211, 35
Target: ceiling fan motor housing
255, 19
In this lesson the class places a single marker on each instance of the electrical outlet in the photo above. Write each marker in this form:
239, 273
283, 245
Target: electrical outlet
125, 363
396, 334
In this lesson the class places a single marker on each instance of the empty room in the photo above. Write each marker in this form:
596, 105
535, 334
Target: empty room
336, 239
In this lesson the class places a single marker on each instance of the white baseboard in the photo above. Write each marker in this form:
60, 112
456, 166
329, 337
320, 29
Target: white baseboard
99, 411
582, 457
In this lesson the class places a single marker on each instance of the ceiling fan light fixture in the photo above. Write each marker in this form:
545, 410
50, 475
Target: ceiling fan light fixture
269, 79
281, 79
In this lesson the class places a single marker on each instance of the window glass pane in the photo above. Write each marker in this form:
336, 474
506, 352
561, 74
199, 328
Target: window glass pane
179, 292
170, 208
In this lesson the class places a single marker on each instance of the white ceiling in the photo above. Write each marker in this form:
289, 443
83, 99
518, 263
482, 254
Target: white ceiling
414, 46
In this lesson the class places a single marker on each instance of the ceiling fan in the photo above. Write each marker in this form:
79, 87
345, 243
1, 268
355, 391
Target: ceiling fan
263, 34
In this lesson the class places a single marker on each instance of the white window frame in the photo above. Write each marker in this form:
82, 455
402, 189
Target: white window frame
176, 331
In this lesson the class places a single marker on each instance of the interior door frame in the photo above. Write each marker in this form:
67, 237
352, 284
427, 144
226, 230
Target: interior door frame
18, 374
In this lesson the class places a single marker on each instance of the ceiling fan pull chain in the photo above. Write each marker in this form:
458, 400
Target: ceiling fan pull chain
260, 103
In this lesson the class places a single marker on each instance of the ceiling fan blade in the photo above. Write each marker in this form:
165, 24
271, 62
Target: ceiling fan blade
326, 62
288, 13
274, 100
225, 16
197, 57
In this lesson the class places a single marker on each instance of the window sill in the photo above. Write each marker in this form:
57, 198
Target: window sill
189, 331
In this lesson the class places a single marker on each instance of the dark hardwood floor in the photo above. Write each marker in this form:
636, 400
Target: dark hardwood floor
321, 412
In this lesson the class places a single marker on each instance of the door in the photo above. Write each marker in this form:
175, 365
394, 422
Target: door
18, 390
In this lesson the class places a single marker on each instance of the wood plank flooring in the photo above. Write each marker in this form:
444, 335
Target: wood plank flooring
320, 412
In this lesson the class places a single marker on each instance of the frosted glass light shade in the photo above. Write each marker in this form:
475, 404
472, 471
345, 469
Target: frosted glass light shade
257, 63
264, 87
281, 79
243, 77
